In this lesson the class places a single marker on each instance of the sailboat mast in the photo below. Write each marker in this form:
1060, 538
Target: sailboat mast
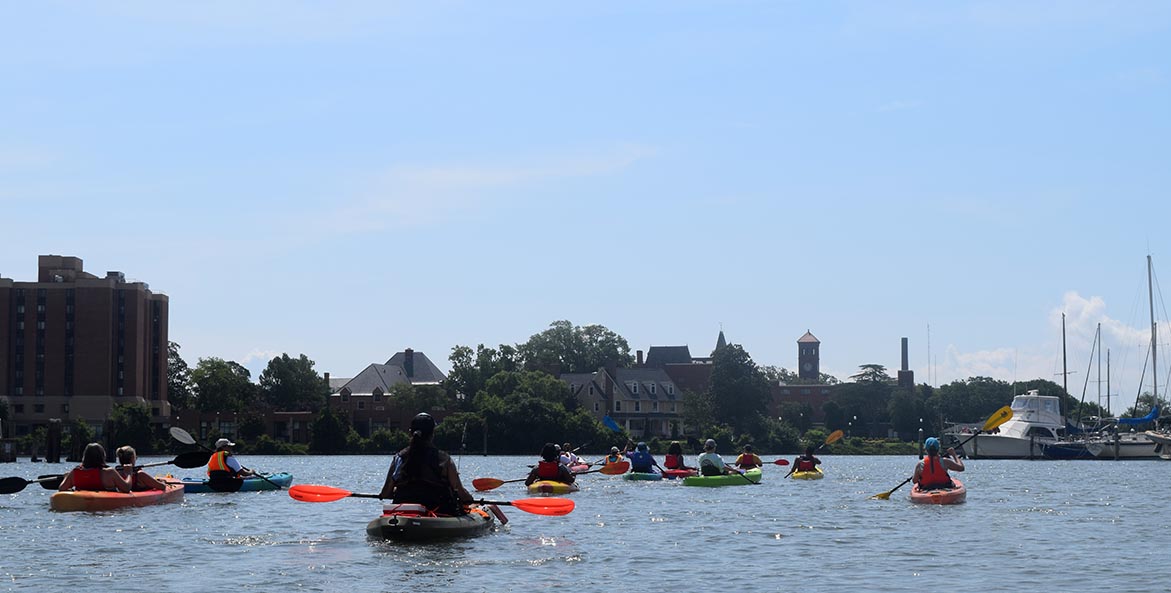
1154, 342
1107, 382
1064, 373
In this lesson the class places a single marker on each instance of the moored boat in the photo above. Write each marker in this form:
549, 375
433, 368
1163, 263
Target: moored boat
92, 501
955, 495
813, 474
275, 481
1036, 422
412, 522
551, 487
751, 476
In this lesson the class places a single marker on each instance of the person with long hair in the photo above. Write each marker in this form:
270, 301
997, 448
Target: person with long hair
674, 458
422, 474
93, 473
138, 479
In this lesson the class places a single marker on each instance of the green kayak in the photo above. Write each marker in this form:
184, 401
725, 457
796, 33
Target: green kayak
751, 476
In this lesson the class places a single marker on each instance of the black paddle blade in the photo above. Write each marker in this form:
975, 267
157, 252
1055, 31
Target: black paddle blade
13, 485
192, 459
51, 481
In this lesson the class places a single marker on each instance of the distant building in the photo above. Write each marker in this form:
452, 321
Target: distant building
644, 401
364, 398
72, 345
808, 357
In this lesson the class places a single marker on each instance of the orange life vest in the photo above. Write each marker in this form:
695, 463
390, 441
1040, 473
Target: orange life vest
219, 463
673, 461
805, 465
748, 459
933, 475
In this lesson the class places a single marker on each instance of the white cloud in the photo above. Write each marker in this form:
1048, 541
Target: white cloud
414, 195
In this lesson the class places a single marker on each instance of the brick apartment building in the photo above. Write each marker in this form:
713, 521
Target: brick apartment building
73, 344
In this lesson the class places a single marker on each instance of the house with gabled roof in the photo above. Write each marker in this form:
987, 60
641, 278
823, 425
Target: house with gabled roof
365, 400
644, 401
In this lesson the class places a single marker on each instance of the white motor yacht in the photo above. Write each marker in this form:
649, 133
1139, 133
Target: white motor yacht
1036, 421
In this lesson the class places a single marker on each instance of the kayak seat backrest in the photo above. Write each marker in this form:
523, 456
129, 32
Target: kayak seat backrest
405, 508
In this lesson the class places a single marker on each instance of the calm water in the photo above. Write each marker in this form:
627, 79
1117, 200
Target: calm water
1059, 526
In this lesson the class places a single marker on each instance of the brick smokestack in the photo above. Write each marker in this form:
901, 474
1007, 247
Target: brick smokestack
906, 375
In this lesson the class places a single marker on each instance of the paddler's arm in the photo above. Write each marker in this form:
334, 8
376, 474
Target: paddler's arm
388, 485
457, 484
952, 461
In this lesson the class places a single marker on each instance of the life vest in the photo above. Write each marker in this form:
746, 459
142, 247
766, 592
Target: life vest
641, 461
673, 461
548, 470
87, 478
424, 481
613, 458
219, 463
933, 475
748, 459
805, 464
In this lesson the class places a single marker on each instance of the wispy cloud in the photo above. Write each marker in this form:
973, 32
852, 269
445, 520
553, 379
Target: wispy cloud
418, 195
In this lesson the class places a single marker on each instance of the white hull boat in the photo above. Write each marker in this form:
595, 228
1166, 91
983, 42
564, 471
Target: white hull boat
1036, 421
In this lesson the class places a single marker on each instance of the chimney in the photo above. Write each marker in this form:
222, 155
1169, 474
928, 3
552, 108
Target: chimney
325, 377
906, 375
409, 362
638, 353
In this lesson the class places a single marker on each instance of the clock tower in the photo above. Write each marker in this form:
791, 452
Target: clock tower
808, 358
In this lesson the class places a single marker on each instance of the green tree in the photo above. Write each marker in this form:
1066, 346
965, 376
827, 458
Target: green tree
972, 399
699, 411
331, 433
291, 384
413, 399
471, 370
178, 379
222, 386
738, 388
799, 415
566, 348
130, 424
872, 373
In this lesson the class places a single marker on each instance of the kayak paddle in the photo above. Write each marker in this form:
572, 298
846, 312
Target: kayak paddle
833, 437
613, 469
185, 437
537, 506
781, 462
996, 419
53, 481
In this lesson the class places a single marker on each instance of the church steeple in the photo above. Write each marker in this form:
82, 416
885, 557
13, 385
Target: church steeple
720, 341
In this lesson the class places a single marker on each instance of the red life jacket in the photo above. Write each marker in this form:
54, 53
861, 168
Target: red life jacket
933, 475
87, 479
805, 465
548, 470
673, 461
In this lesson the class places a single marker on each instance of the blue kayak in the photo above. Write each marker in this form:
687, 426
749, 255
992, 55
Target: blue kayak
642, 476
276, 481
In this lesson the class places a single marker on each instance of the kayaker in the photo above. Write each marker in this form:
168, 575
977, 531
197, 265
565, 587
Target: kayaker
710, 463
931, 471
641, 460
674, 458
93, 473
422, 474
568, 457
138, 479
615, 456
223, 465
806, 462
748, 459
549, 467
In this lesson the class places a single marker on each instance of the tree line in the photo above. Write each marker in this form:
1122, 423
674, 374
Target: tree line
510, 398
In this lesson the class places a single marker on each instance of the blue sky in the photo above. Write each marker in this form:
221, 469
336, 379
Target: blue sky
346, 180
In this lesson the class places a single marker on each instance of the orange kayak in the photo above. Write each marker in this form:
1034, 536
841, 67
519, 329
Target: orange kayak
90, 500
954, 495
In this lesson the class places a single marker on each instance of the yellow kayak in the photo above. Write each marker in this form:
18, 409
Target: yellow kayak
813, 474
551, 487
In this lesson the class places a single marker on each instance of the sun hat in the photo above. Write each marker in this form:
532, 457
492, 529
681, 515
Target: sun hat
220, 444
709, 444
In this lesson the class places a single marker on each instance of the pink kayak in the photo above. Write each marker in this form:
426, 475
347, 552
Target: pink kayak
671, 474
579, 468
954, 495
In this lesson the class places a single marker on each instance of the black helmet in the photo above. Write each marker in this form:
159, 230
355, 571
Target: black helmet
423, 423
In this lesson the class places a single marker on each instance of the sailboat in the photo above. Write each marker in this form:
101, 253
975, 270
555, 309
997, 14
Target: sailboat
1134, 445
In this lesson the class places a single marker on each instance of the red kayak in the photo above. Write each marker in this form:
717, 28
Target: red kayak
679, 473
954, 495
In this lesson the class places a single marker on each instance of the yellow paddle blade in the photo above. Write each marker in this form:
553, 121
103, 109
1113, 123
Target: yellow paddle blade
997, 418
834, 437
486, 483
883, 496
